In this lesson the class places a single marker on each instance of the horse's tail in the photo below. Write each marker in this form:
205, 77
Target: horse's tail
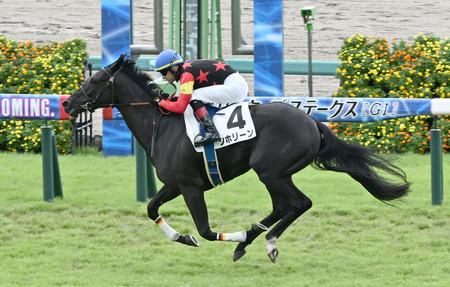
360, 163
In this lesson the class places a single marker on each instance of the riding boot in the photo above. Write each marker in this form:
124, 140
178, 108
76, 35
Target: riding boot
211, 134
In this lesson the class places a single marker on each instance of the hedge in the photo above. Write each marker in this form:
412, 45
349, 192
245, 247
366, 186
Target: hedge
26, 68
370, 67
374, 68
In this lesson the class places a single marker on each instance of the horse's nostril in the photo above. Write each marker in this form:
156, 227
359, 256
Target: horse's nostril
65, 104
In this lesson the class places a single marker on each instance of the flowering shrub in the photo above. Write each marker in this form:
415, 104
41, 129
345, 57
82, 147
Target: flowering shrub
373, 68
55, 68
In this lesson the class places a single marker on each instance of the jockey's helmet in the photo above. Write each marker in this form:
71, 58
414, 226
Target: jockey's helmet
166, 59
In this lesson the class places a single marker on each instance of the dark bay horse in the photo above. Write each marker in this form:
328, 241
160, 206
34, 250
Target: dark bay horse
287, 141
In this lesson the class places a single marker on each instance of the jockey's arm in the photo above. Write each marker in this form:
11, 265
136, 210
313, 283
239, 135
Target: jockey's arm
180, 105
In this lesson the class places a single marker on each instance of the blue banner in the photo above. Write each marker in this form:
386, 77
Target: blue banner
116, 30
268, 47
116, 40
354, 109
32, 107
116, 138
344, 109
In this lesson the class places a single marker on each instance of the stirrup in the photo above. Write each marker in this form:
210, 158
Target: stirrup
212, 137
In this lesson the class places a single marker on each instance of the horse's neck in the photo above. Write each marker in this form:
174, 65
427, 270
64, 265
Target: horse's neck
141, 120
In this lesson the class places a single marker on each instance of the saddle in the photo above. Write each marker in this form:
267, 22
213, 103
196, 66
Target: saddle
234, 124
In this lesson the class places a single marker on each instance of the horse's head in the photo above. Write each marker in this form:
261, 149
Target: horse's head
96, 92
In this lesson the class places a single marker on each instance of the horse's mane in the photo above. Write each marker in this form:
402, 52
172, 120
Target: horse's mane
140, 77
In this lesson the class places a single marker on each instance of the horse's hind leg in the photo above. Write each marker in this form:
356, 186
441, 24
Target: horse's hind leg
166, 194
296, 204
258, 228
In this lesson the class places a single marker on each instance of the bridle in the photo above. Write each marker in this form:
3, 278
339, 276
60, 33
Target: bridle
92, 105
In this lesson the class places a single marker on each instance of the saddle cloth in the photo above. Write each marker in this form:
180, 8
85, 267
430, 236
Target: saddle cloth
234, 124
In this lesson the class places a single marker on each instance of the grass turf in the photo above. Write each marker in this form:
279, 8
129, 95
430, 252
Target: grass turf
98, 235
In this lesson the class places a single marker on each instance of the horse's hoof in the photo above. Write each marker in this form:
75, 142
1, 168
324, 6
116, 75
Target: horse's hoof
272, 250
273, 255
192, 241
238, 255
239, 251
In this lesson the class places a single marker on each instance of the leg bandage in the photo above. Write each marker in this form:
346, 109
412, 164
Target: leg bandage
236, 237
169, 231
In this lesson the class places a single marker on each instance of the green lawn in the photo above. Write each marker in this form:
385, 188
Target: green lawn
98, 235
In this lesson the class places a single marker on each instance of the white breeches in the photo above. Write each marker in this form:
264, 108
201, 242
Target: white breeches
233, 90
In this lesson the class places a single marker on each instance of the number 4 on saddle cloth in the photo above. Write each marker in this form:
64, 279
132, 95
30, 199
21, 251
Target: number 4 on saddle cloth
234, 124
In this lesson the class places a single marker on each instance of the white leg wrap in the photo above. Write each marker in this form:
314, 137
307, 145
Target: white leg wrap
270, 244
235, 237
169, 231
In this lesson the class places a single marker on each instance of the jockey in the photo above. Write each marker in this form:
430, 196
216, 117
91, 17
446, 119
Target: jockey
202, 82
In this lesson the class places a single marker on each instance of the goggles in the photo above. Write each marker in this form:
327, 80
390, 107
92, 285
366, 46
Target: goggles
164, 71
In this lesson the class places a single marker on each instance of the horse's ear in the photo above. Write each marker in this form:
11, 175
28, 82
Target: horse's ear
119, 61
117, 64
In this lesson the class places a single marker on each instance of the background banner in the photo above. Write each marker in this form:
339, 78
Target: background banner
268, 47
354, 109
116, 40
32, 107
341, 109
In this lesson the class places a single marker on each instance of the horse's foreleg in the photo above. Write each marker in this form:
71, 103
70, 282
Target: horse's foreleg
195, 201
173, 235
166, 194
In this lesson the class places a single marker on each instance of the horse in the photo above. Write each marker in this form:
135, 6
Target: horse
287, 140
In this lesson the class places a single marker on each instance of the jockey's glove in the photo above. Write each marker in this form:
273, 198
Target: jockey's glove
164, 96
158, 98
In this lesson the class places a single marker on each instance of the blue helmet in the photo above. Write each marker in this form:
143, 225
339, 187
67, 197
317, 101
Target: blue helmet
166, 59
